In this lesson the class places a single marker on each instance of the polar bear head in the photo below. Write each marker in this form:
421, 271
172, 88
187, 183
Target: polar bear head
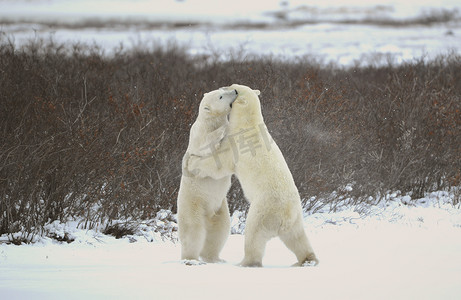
246, 109
217, 103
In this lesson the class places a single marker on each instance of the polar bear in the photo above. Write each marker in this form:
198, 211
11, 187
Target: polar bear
275, 205
203, 214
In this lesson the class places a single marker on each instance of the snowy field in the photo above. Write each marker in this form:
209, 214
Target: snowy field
407, 249
347, 32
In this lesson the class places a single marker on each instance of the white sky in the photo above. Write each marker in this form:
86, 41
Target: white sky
202, 10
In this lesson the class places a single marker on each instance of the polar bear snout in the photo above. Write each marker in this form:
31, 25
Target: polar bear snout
228, 95
236, 94
228, 91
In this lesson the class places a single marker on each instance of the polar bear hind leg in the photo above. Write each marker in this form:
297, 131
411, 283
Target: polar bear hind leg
217, 232
296, 240
256, 237
192, 236
255, 246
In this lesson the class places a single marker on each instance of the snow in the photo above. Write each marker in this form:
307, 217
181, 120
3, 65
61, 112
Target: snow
402, 248
321, 37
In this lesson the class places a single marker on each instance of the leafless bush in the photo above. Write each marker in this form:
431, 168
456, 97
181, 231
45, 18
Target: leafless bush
100, 138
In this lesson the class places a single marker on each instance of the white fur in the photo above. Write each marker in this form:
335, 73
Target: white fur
275, 205
203, 214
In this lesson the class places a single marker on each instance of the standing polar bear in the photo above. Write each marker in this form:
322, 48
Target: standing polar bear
275, 205
203, 214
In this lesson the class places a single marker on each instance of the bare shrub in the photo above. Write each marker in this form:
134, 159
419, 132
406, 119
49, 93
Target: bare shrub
96, 138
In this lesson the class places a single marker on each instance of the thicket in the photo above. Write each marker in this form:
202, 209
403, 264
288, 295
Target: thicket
100, 137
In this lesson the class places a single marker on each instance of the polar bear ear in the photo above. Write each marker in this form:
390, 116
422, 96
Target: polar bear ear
257, 92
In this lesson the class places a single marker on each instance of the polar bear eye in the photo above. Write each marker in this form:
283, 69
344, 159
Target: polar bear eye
220, 97
206, 108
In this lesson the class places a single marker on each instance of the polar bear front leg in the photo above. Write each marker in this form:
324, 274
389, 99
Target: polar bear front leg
218, 230
210, 166
212, 141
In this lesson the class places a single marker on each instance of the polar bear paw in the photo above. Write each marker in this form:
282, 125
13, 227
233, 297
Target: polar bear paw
192, 262
311, 261
214, 260
250, 264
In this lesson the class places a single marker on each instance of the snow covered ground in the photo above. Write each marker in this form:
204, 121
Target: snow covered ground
406, 249
348, 32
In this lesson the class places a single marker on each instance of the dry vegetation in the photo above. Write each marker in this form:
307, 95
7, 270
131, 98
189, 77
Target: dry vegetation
101, 138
